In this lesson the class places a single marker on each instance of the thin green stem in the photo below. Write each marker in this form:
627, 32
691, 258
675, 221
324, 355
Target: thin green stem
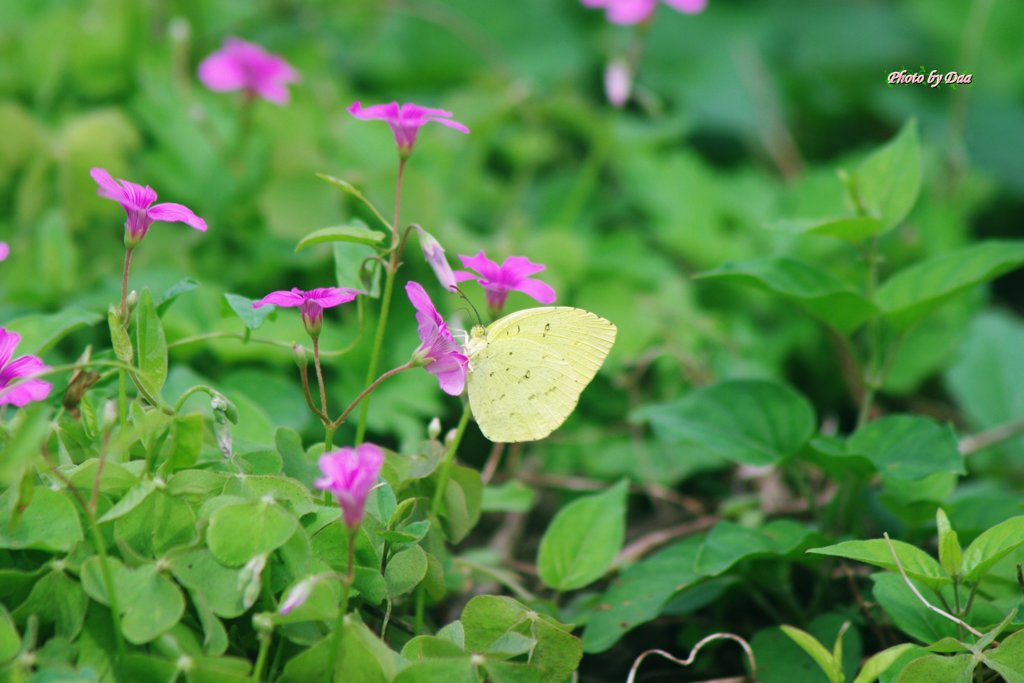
328, 437
319, 375
366, 393
446, 464
122, 399
124, 287
261, 658
346, 589
385, 304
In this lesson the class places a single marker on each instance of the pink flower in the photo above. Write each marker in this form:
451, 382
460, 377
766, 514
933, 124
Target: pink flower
437, 352
240, 65
637, 11
350, 473
311, 303
23, 392
4, 251
136, 202
513, 274
433, 252
405, 120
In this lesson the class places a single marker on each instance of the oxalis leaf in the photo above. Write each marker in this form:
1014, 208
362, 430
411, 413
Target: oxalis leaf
152, 345
357, 233
570, 558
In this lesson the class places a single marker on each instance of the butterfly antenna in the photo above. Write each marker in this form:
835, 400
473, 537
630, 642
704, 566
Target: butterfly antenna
466, 299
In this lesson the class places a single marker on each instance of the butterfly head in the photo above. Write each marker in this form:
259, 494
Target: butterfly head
476, 341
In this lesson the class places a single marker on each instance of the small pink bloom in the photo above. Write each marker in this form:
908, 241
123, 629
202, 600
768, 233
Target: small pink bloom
350, 473
298, 595
513, 274
405, 120
137, 202
4, 251
433, 252
438, 352
311, 303
240, 65
26, 391
638, 11
618, 82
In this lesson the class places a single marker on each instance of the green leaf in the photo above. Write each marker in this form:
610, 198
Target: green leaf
152, 345
165, 300
639, 593
817, 651
56, 599
489, 620
129, 501
186, 442
824, 296
354, 266
462, 498
448, 670
200, 572
907, 612
363, 652
754, 422
570, 558
240, 531
992, 546
405, 570
28, 430
781, 660
10, 641
1008, 659
950, 555
357, 233
150, 603
157, 524
39, 333
914, 292
887, 182
879, 663
50, 522
916, 563
253, 318
854, 229
119, 338
350, 189
728, 543
908, 447
935, 668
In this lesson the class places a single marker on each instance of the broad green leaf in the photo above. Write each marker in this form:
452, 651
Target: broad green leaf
186, 442
935, 668
500, 671
915, 562
908, 447
157, 524
362, 651
754, 422
488, 621
916, 291
152, 345
823, 295
879, 663
357, 233
821, 656
119, 338
150, 603
200, 572
907, 612
887, 182
28, 430
639, 593
129, 501
728, 543
462, 498
293, 456
165, 300
1008, 658
10, 641
992, 546
50, 522
447, 670
950, 555
853, 229
58, 600
583, 539
405, 570
423, 648
240, 531
39, 333
253, 318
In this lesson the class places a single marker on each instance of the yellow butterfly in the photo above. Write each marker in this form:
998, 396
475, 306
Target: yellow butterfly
528, 369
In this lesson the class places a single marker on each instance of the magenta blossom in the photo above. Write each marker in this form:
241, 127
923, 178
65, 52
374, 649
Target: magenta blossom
350, 473
23, 392
638, 11
405, 120
513, 274
437, 352
433, 252
4, 251
311, 303
240, 65
137, 202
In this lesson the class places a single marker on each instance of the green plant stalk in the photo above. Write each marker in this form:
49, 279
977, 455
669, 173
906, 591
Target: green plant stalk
122, 399
346, 589
108, 582
261, 657
365, 394
385, 303
446, 464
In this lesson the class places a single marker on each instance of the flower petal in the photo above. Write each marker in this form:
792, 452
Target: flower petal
462, 275
25, 393
687, 6
388, 112
8, 342
516, 268
294, 298
450, 371
631, 11
176, 213
329, 297
451, 124
5, 251
481, 264
541, 291
222, 71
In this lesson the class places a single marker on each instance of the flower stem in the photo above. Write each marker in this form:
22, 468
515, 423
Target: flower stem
124, 286
366, 392
319, 375
446, 465
261, 658
385, 303
346, 589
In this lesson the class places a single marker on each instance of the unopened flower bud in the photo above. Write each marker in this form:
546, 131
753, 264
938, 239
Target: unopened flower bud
434, 429
299, 355
450, 437
298, 595
109, 418
618, 82
133, 300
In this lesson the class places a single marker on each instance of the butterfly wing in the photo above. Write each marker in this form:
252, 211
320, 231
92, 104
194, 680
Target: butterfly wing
528, 378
